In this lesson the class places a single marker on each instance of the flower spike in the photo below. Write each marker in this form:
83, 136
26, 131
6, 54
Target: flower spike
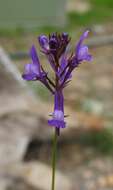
55, 48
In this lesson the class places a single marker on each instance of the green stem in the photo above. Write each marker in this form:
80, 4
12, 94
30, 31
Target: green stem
54, 160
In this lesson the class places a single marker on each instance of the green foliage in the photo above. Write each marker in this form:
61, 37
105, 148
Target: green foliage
101, 141
48, 29
101, 11
103, 3
17, 32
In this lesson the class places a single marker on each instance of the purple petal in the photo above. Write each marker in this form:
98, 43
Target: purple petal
63, 63
32, 68
59, 115
31, 72
35, 59
89, 58
57, 123
82, 38
29, 77
65, 36
44, 42
83, 54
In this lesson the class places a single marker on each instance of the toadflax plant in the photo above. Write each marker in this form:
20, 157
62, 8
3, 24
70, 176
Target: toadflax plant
54, 47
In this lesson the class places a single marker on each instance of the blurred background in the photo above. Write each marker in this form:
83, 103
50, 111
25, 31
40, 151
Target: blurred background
85, 147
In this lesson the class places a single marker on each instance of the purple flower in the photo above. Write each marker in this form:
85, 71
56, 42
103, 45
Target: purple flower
44, 43
54, 48
58, 114
32, 70
81, 52
56, 44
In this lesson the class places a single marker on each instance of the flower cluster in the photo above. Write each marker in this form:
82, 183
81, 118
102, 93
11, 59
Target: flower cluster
55, 49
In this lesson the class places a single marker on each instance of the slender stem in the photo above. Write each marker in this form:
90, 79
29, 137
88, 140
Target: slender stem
50, 81
54, 160
67, 75
57, 86
45, 83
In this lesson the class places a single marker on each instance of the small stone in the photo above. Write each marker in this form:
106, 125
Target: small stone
110, 180
38, 175
102, 182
